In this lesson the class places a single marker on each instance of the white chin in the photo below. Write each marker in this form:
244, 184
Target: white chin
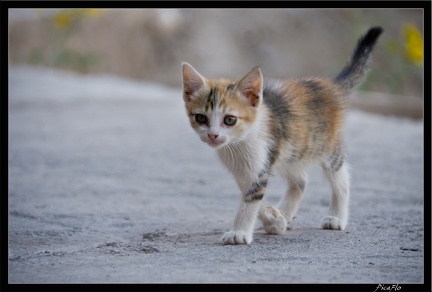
216, 144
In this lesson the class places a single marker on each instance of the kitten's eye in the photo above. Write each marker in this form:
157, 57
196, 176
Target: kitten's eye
230, 120
201, 119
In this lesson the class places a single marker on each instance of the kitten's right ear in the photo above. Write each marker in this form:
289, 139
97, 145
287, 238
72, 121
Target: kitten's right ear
192, 81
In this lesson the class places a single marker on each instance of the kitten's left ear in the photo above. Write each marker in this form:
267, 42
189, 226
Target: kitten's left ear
192, 81
251, 86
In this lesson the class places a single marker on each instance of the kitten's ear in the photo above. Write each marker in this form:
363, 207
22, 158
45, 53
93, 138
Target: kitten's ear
251, 86
192, 81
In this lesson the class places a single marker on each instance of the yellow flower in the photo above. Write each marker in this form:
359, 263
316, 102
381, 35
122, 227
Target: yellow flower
62, 19
93, 11
413, 43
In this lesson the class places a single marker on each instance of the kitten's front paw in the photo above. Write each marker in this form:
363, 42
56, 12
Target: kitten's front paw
273, 221
237, 237
332, 222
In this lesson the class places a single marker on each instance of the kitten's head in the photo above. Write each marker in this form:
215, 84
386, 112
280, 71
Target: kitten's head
222, 111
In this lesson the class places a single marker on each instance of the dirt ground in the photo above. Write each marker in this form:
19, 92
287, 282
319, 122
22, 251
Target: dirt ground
109, 184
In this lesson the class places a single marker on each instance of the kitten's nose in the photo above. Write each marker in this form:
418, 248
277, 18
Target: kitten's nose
212, 136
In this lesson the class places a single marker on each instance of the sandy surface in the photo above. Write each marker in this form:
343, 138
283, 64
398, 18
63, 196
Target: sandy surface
109, 184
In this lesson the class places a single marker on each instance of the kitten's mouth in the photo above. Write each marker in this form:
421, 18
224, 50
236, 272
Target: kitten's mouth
216, 143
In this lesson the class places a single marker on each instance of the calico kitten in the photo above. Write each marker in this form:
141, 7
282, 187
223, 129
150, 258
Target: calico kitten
260, 127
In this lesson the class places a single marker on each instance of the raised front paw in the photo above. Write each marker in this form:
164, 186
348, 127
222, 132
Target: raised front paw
237, 237
273, 221
332, 222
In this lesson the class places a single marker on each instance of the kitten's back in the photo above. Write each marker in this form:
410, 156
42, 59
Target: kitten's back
307, 116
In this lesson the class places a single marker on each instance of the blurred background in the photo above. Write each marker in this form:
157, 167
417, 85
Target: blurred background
150, 44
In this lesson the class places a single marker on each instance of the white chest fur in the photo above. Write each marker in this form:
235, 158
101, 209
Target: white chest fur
247, 158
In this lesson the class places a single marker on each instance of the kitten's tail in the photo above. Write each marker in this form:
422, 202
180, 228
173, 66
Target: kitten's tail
353, 73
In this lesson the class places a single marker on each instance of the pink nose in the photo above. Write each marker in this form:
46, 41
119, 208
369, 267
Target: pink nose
212, 136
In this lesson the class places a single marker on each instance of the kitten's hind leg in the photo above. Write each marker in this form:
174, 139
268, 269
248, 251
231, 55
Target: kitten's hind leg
289, 204
337, 173
273, 221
